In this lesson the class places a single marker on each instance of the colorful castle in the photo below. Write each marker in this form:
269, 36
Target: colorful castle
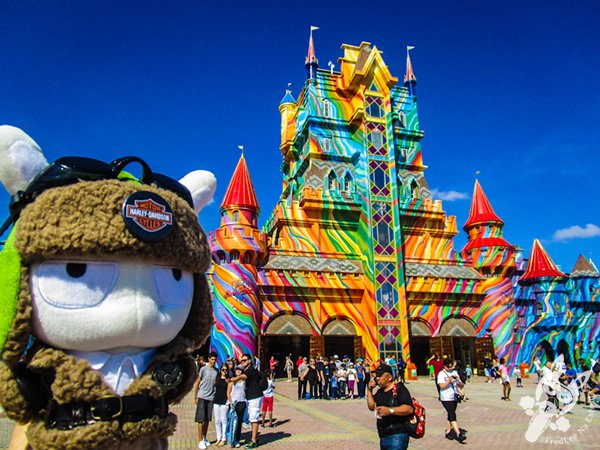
357, 258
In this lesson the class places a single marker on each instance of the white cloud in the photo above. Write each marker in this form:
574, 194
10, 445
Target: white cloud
577, 232
448, 196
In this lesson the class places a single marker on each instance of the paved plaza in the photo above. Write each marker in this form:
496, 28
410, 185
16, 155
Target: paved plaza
490, 421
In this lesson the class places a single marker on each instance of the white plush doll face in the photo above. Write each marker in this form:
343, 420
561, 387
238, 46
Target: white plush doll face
102, 303
109, 305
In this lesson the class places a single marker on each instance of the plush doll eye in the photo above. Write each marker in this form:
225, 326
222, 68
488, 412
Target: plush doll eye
74, 284
174, 286
76, 270
176, 274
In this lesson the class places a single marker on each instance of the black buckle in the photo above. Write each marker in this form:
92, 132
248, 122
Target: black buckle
107, 408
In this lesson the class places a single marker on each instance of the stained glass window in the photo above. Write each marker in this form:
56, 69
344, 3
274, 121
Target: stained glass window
375, 106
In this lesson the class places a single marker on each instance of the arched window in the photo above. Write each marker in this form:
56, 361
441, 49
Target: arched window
404, 152
236, 216
414, 189
402, 119
235, 256
327, 110
332, 184
348, 183
326, 143
538, 308
247, 258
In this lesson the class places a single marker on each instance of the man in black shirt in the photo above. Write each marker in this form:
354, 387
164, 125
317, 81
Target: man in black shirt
253, 396
321, 373
393, 406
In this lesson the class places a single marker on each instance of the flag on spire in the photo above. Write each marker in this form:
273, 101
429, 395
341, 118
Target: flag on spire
410, 75
311, 62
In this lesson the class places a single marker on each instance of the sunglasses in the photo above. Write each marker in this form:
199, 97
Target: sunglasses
72, 169
244, 360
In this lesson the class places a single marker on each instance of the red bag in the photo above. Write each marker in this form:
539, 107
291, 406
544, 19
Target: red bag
415, 427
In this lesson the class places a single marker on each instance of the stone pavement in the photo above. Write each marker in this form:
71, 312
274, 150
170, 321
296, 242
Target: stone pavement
490, 421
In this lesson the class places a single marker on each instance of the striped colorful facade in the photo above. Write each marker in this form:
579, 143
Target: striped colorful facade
357, 246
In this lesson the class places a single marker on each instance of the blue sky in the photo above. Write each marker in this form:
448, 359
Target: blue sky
505, 88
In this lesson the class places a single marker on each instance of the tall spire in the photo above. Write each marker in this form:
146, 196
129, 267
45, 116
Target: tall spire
241, 190
410, 81
481, 210
540, 265
311, 62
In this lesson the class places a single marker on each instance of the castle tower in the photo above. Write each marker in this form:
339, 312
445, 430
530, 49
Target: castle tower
585, 281
487, 250
237, 247
545, 301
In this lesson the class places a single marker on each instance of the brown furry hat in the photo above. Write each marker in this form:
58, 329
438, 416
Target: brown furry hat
84, 220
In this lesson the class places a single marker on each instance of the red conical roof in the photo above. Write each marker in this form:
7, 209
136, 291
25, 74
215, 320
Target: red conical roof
540, 265
240, 191
481, 210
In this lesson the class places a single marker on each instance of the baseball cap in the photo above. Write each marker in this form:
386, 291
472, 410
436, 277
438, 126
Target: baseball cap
383, 368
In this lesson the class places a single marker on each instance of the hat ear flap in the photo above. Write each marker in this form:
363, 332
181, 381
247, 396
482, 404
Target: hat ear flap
21, 159
10, 279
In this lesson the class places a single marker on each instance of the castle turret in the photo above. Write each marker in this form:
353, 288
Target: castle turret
585, 281
487, 250
237, 246
540, 267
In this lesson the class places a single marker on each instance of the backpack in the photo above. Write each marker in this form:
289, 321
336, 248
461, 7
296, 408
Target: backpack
415, 427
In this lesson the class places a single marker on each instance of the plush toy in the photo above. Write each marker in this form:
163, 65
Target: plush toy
102, 297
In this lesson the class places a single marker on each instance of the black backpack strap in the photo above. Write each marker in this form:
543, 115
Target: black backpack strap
34, 386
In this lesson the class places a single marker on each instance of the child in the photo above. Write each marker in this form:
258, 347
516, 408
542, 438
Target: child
517, 374
334, 385
268, 398
468, 371
342, 374
351, 380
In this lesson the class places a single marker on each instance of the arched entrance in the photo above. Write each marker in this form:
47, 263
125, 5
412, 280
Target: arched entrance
563, 349
285, 334
339, 338
420, 335
458, 340
548, 350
